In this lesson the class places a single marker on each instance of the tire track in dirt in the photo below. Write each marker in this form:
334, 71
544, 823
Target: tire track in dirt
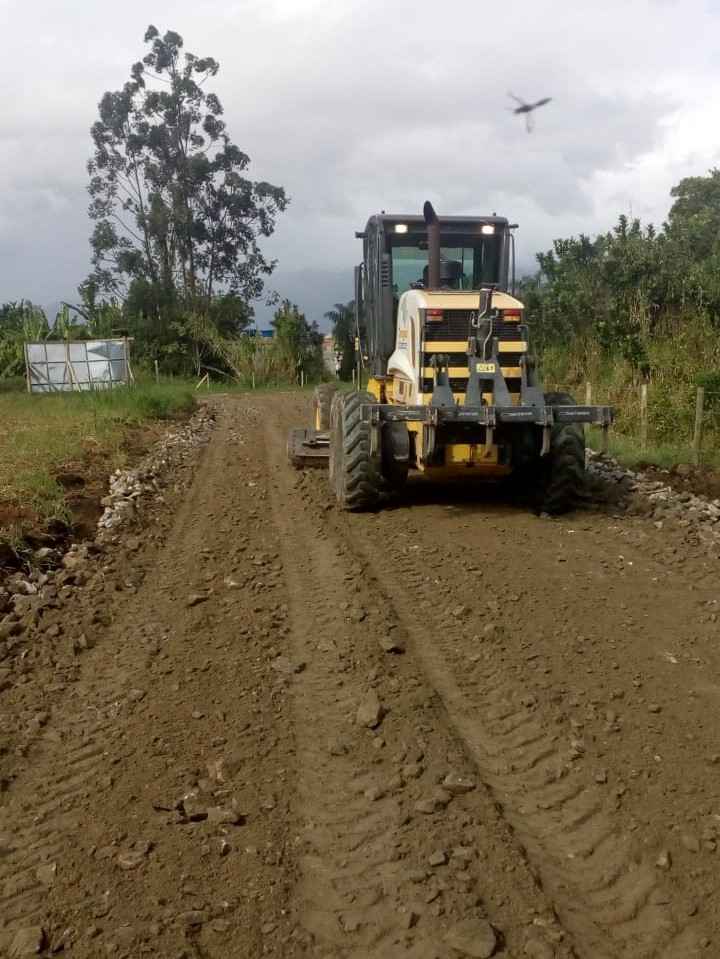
606, 887
603, 880
94, 849
365, 888
62, 754
44, 810
345, 839
172, 687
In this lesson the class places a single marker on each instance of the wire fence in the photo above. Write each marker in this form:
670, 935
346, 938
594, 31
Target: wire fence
647, 415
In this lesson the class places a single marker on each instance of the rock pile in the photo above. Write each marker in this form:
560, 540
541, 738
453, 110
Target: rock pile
44, 576
129, 487
658, 499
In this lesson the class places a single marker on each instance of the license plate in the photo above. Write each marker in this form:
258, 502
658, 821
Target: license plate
485, 367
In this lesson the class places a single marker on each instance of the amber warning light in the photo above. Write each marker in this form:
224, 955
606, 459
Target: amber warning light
434, 315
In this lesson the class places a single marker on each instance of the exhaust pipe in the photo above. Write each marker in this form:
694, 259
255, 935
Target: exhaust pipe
433, 234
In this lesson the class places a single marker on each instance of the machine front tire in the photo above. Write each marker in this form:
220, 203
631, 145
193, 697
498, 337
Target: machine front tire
354, 473
322, 402
563, 469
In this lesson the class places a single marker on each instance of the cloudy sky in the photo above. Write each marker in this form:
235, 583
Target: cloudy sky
360, 105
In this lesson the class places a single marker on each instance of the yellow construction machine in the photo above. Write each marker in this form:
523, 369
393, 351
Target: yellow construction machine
452, 386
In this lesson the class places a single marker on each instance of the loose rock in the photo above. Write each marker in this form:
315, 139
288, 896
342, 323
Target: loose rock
370, 711
285, 666
27, 942
457, 784
390, 644
194, 599
690, 842
225, 815
473, 937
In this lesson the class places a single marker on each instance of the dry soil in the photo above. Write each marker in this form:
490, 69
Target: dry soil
448, 728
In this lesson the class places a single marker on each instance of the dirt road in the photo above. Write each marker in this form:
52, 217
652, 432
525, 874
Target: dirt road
450, 728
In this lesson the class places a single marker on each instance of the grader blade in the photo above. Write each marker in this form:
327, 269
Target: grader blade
308, 448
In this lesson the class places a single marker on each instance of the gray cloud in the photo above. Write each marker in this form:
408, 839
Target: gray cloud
355, 106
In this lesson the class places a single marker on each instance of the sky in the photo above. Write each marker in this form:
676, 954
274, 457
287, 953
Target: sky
354, 106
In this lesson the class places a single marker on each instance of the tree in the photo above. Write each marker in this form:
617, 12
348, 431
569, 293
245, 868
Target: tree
299, 343
695, 213
342, 317
173, 209
102, 318
691, 243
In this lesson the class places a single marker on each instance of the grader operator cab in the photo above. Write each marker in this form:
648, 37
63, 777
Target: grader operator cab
452, 387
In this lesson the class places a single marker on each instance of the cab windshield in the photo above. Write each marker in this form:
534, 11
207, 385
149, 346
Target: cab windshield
469, 266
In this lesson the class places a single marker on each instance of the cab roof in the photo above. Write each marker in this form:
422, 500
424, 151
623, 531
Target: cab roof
448, 224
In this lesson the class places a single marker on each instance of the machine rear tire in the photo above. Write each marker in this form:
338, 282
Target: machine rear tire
563, 469
395, 445
354, 473
322, 402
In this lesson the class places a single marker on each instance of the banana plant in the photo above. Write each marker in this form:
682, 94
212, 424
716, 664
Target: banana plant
20, 322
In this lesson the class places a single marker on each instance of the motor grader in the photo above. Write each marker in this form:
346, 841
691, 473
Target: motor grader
452, 386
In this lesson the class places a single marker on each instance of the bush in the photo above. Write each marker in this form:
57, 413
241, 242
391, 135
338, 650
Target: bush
711, 384
681, 355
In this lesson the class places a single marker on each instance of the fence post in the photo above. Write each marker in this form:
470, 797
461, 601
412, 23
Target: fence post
157, 372
353, 377
588, 393
253, 379
643, 416
697, 435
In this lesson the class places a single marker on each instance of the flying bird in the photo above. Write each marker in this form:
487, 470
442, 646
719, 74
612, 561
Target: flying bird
527, 109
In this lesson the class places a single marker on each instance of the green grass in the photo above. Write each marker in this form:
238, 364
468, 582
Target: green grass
627, 451
680, 356
41, 434
228, 385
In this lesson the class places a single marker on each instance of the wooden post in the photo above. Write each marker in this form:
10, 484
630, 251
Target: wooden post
131, 376
697, 435
157, 372
643, 416
302, 379
253, 379
70, 370
588, 393
353, 377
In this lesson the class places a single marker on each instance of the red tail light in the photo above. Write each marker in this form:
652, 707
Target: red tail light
434, 315
512, 314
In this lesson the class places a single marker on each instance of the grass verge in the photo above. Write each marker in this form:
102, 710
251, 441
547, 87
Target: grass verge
42, 435
627, 451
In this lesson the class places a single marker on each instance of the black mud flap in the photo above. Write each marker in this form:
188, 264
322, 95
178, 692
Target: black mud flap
308, 448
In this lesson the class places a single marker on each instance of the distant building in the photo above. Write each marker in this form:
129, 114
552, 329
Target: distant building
331, 359
264, 334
